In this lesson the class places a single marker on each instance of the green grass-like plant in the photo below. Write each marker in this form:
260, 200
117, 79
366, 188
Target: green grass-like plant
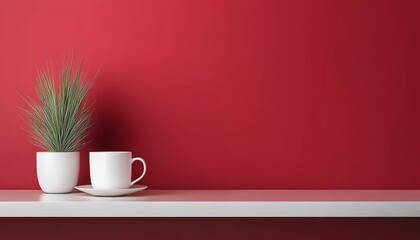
60, 119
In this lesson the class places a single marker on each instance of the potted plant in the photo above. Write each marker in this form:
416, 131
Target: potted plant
59, 121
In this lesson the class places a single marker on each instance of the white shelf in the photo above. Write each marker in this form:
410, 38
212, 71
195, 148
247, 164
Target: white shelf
215, 203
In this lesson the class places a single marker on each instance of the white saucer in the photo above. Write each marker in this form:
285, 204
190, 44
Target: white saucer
110, 192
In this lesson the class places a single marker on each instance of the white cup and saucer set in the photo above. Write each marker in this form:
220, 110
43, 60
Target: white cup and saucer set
110, 174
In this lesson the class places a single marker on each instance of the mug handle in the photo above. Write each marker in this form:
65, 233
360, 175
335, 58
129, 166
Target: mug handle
144, 169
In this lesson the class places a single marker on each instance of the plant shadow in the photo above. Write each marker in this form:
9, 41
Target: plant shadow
112, 128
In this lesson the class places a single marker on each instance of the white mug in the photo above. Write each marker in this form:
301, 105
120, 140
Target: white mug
112, 170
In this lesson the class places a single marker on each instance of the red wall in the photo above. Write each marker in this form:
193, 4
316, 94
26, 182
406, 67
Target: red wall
229, 94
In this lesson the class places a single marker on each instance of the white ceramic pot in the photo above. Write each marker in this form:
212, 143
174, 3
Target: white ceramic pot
57, 172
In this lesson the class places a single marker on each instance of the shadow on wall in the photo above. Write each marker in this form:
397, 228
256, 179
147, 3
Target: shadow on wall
114, 129
112, 125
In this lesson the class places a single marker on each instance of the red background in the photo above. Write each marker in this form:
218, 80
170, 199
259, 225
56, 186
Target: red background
218, 94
